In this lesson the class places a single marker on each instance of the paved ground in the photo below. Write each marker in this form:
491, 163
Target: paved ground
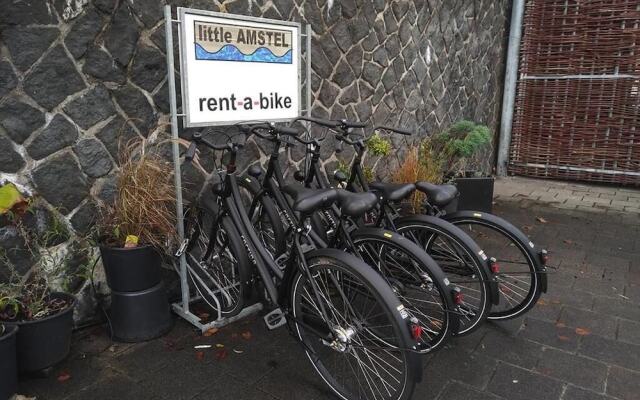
582, 341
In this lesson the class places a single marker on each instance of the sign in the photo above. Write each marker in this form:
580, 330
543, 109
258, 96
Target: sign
236, 68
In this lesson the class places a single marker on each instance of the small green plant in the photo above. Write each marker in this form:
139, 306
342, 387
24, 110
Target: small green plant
379, 146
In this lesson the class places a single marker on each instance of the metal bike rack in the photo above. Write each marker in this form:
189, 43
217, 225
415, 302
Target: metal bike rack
182, 308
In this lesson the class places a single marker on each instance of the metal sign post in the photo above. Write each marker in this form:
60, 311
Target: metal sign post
251, 53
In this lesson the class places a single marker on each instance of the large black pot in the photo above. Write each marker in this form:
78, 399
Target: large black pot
140, 316
45, 342
8, 365
476, 193
131, 269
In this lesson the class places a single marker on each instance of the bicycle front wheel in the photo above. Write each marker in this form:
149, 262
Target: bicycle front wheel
354, 330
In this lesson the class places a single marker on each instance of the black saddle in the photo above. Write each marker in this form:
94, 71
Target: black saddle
356, 204
307, 200
393, 191
439, 195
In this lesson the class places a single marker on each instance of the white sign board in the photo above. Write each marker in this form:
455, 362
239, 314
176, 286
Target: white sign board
237, 68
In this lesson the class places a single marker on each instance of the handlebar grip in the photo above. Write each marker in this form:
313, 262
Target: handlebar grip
396, 130
191, 152
285, 130
353, 124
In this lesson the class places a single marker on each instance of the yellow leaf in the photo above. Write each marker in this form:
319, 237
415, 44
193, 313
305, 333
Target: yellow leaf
9, 197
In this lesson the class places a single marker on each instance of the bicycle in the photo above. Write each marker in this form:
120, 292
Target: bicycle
413, 275
352, 327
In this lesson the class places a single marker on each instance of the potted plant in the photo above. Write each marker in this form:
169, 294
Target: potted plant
133, 232
8, 365
464, 150
43, 315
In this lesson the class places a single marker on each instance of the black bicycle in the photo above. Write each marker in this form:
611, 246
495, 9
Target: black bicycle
353, 328
413, 275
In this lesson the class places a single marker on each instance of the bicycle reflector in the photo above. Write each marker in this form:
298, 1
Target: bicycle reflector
494, 266
544, 257
416, 331
458, 297
416, 328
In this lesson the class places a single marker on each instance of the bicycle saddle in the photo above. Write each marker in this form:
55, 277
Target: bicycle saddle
393, 191
439, 195
356, 204
307, 200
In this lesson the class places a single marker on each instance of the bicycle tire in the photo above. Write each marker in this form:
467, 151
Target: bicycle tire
465, 250
397, 357
424, 290
517, 240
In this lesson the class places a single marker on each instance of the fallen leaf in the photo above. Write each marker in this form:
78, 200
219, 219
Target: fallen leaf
238, 351
63, 376
221, 354
583, 331
210, 332
220, 346
563, 338
567, 241
560, 325
527, 228
200, 355
246, 335
541, 220
542, 302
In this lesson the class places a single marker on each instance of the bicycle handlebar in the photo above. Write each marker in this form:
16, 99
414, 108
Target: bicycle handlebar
392, 129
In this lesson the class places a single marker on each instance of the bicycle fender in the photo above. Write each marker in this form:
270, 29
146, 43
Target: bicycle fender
506, 226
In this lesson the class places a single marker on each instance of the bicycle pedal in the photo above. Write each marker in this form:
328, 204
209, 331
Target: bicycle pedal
275, 319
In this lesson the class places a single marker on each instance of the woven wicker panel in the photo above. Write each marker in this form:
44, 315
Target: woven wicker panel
577, 106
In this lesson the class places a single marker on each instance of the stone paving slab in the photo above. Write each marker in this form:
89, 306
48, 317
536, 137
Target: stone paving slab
569, 195
579, 342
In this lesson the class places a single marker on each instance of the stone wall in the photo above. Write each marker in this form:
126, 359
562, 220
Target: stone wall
77, 75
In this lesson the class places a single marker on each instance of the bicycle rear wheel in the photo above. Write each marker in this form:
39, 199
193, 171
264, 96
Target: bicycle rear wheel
460, 260
218, 263
417, 281
521, 278
362, 348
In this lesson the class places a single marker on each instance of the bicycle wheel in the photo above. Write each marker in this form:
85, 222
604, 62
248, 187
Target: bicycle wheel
417, 281
361, 348
521, 279
460, 259
218, 265
264, 216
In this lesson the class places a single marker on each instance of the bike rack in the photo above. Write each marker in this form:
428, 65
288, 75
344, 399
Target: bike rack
182, 308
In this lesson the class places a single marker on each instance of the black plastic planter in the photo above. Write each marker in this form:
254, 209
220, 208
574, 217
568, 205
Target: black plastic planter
131, 270
45, 342
8, 364
140, 316
476, 193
